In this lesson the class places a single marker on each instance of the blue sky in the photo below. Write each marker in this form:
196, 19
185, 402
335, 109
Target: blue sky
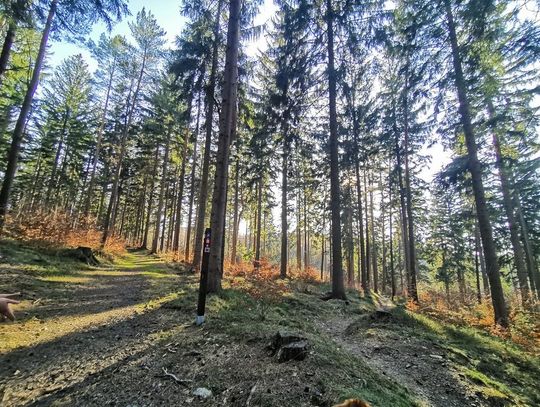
167, 13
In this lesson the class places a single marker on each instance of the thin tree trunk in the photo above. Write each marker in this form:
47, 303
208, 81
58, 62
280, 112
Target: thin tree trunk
383, 238
338, 288
404, 223
259, 225
284, 207
187, 256
163, 183
144, 244
298, 232
99, 136
6, 49
411, 289
477, 266
180, 197
111, 212
363, 274
532, 267
56, 163
373, 241
391, 236
227, 127
203, 192
485, 282
368, 240
519, 255
323, 238
13, 155
486, 231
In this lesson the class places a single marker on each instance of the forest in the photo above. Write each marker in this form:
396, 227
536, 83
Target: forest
364, 167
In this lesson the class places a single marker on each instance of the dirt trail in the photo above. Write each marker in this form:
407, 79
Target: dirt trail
103, 319
420, 365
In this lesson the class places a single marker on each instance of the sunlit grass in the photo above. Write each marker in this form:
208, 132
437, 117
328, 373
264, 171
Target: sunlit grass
66, 279
12, 337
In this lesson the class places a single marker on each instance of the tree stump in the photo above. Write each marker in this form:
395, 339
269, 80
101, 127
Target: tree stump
293, 351
288, 346
83, 254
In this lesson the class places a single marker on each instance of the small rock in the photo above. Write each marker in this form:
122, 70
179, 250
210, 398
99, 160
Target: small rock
202, 392
439, 357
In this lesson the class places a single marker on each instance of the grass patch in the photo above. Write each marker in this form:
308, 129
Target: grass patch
501, 368
331, 370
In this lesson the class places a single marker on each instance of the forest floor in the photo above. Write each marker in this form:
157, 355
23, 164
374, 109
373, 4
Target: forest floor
123, 334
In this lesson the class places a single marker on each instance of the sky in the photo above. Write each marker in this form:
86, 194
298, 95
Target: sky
167, 14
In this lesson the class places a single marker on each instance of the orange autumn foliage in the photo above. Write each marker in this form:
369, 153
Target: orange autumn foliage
59, 229
524, 323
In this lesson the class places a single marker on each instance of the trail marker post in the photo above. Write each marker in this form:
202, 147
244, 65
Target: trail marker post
203, 285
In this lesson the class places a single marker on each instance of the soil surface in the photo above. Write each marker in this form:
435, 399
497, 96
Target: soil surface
110, 337
420, 365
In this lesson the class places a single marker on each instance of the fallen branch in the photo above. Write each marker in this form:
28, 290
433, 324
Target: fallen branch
175, 378
251, 395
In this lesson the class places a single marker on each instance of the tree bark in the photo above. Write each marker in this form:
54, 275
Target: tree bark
486, 232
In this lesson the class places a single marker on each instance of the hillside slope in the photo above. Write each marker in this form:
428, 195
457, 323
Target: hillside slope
123, 335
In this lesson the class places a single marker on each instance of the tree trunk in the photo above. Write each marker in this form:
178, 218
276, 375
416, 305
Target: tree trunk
56, 163
259, 224
368, 239
179, 198
338, 288
391, 236
373, 241
284, 196
203, 192
163, 183
99, 136
187, 256
227, 126
363, 274
486, 232
383, 238
6, 49
111, 213
532, 267
411, 289
298, 232
236, 214
519, 255
13, 155
403, 212
144, 244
